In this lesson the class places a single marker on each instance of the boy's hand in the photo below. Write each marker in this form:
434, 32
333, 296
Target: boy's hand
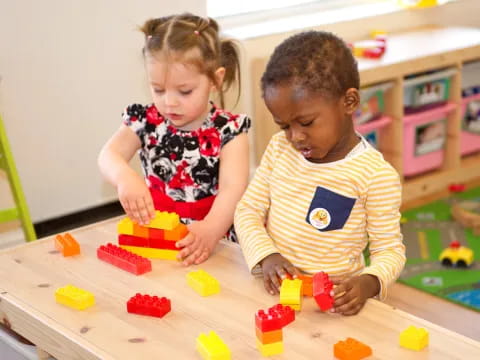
135, 198
351, 294
275, 268
198, 244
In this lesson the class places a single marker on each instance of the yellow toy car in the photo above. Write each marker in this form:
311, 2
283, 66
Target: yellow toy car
456, 255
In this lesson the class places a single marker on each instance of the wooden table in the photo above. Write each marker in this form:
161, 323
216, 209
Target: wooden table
31, 273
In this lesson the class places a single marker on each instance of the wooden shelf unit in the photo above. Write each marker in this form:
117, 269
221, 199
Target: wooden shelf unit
421, 50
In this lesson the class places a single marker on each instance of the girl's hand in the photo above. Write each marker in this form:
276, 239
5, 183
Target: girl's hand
351, 294
135, 198
275, 268
198, 244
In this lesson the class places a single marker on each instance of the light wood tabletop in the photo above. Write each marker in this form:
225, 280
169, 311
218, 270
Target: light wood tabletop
31, 273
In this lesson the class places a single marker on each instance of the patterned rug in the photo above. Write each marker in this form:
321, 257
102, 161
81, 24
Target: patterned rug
428, 230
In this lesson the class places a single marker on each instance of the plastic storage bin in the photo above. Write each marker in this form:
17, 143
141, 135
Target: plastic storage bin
470, 136
471, 78
369, 119
372, 103
424, 139
372, 131
427, 91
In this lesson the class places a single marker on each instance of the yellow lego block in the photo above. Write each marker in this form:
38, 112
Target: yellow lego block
212, 347
125, 226
74, 297
291, 293
164, 220
414, 338
203, 283
151, 253
270, 349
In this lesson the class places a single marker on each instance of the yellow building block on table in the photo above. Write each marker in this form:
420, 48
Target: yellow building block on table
151, 253
125, 226
414, 338
270, 349
164, 220
291, 293
74, 297
212, 347
203, 283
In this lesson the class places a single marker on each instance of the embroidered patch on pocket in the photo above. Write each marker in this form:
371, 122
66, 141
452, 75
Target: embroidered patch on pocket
329, 210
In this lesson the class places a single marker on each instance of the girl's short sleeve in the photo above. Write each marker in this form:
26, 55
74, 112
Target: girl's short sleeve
231, 126
134, 117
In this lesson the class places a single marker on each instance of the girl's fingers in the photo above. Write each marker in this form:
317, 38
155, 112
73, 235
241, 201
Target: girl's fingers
192, 257
186, 241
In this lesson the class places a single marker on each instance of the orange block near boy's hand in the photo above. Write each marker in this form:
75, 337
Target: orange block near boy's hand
67, 245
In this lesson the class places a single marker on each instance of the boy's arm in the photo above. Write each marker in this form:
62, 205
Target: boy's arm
252, 210
387, 251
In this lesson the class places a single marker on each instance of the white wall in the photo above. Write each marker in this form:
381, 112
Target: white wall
67, 70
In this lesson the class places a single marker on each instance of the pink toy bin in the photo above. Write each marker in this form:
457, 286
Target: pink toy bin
470, 137
424, 139
372, 130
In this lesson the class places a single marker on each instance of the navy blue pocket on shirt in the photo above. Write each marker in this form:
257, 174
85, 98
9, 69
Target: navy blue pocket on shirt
328, 210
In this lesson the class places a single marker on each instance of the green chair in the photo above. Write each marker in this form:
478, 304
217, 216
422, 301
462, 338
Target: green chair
20, 211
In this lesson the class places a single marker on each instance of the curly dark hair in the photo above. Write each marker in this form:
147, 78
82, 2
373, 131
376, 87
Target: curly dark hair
316, 60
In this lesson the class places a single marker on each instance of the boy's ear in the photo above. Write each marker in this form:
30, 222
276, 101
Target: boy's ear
219, 76
352, 100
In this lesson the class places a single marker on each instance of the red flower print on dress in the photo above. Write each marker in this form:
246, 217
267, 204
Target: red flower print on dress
156, 183
181, 178
153, 117
209, 142
153, 140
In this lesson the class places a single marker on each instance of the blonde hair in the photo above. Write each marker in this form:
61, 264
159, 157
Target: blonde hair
180, 34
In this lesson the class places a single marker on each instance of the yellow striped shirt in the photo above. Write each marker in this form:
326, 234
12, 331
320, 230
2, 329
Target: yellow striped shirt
272, 215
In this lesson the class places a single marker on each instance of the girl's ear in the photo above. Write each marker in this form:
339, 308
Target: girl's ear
352, 100
219, 76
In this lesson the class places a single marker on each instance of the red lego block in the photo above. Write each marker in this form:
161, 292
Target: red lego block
321, 290
456, 188
149, 305
274, 318
124, 259
162, 244
157, 234
376, 53
67, 245
131, 240
351, 349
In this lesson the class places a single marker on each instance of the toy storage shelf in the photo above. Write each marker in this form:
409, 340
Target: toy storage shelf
418, 51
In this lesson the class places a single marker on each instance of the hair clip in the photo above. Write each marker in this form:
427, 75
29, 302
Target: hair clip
196, 32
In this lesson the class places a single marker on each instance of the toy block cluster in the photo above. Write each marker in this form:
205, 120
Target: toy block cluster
371, 49
74, 297
322, 286
67, 244
156, 240
212, 347
149, 305
124, 259
203, 283
414, 338
351, 349
291, 293
269, 328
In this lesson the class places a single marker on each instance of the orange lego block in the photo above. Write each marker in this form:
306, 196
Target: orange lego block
156, 234
307, 285
351, 349
176, 234
140, 231
67, 245
269, 337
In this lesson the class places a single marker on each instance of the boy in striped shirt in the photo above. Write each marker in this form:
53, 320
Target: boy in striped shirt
321, 194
